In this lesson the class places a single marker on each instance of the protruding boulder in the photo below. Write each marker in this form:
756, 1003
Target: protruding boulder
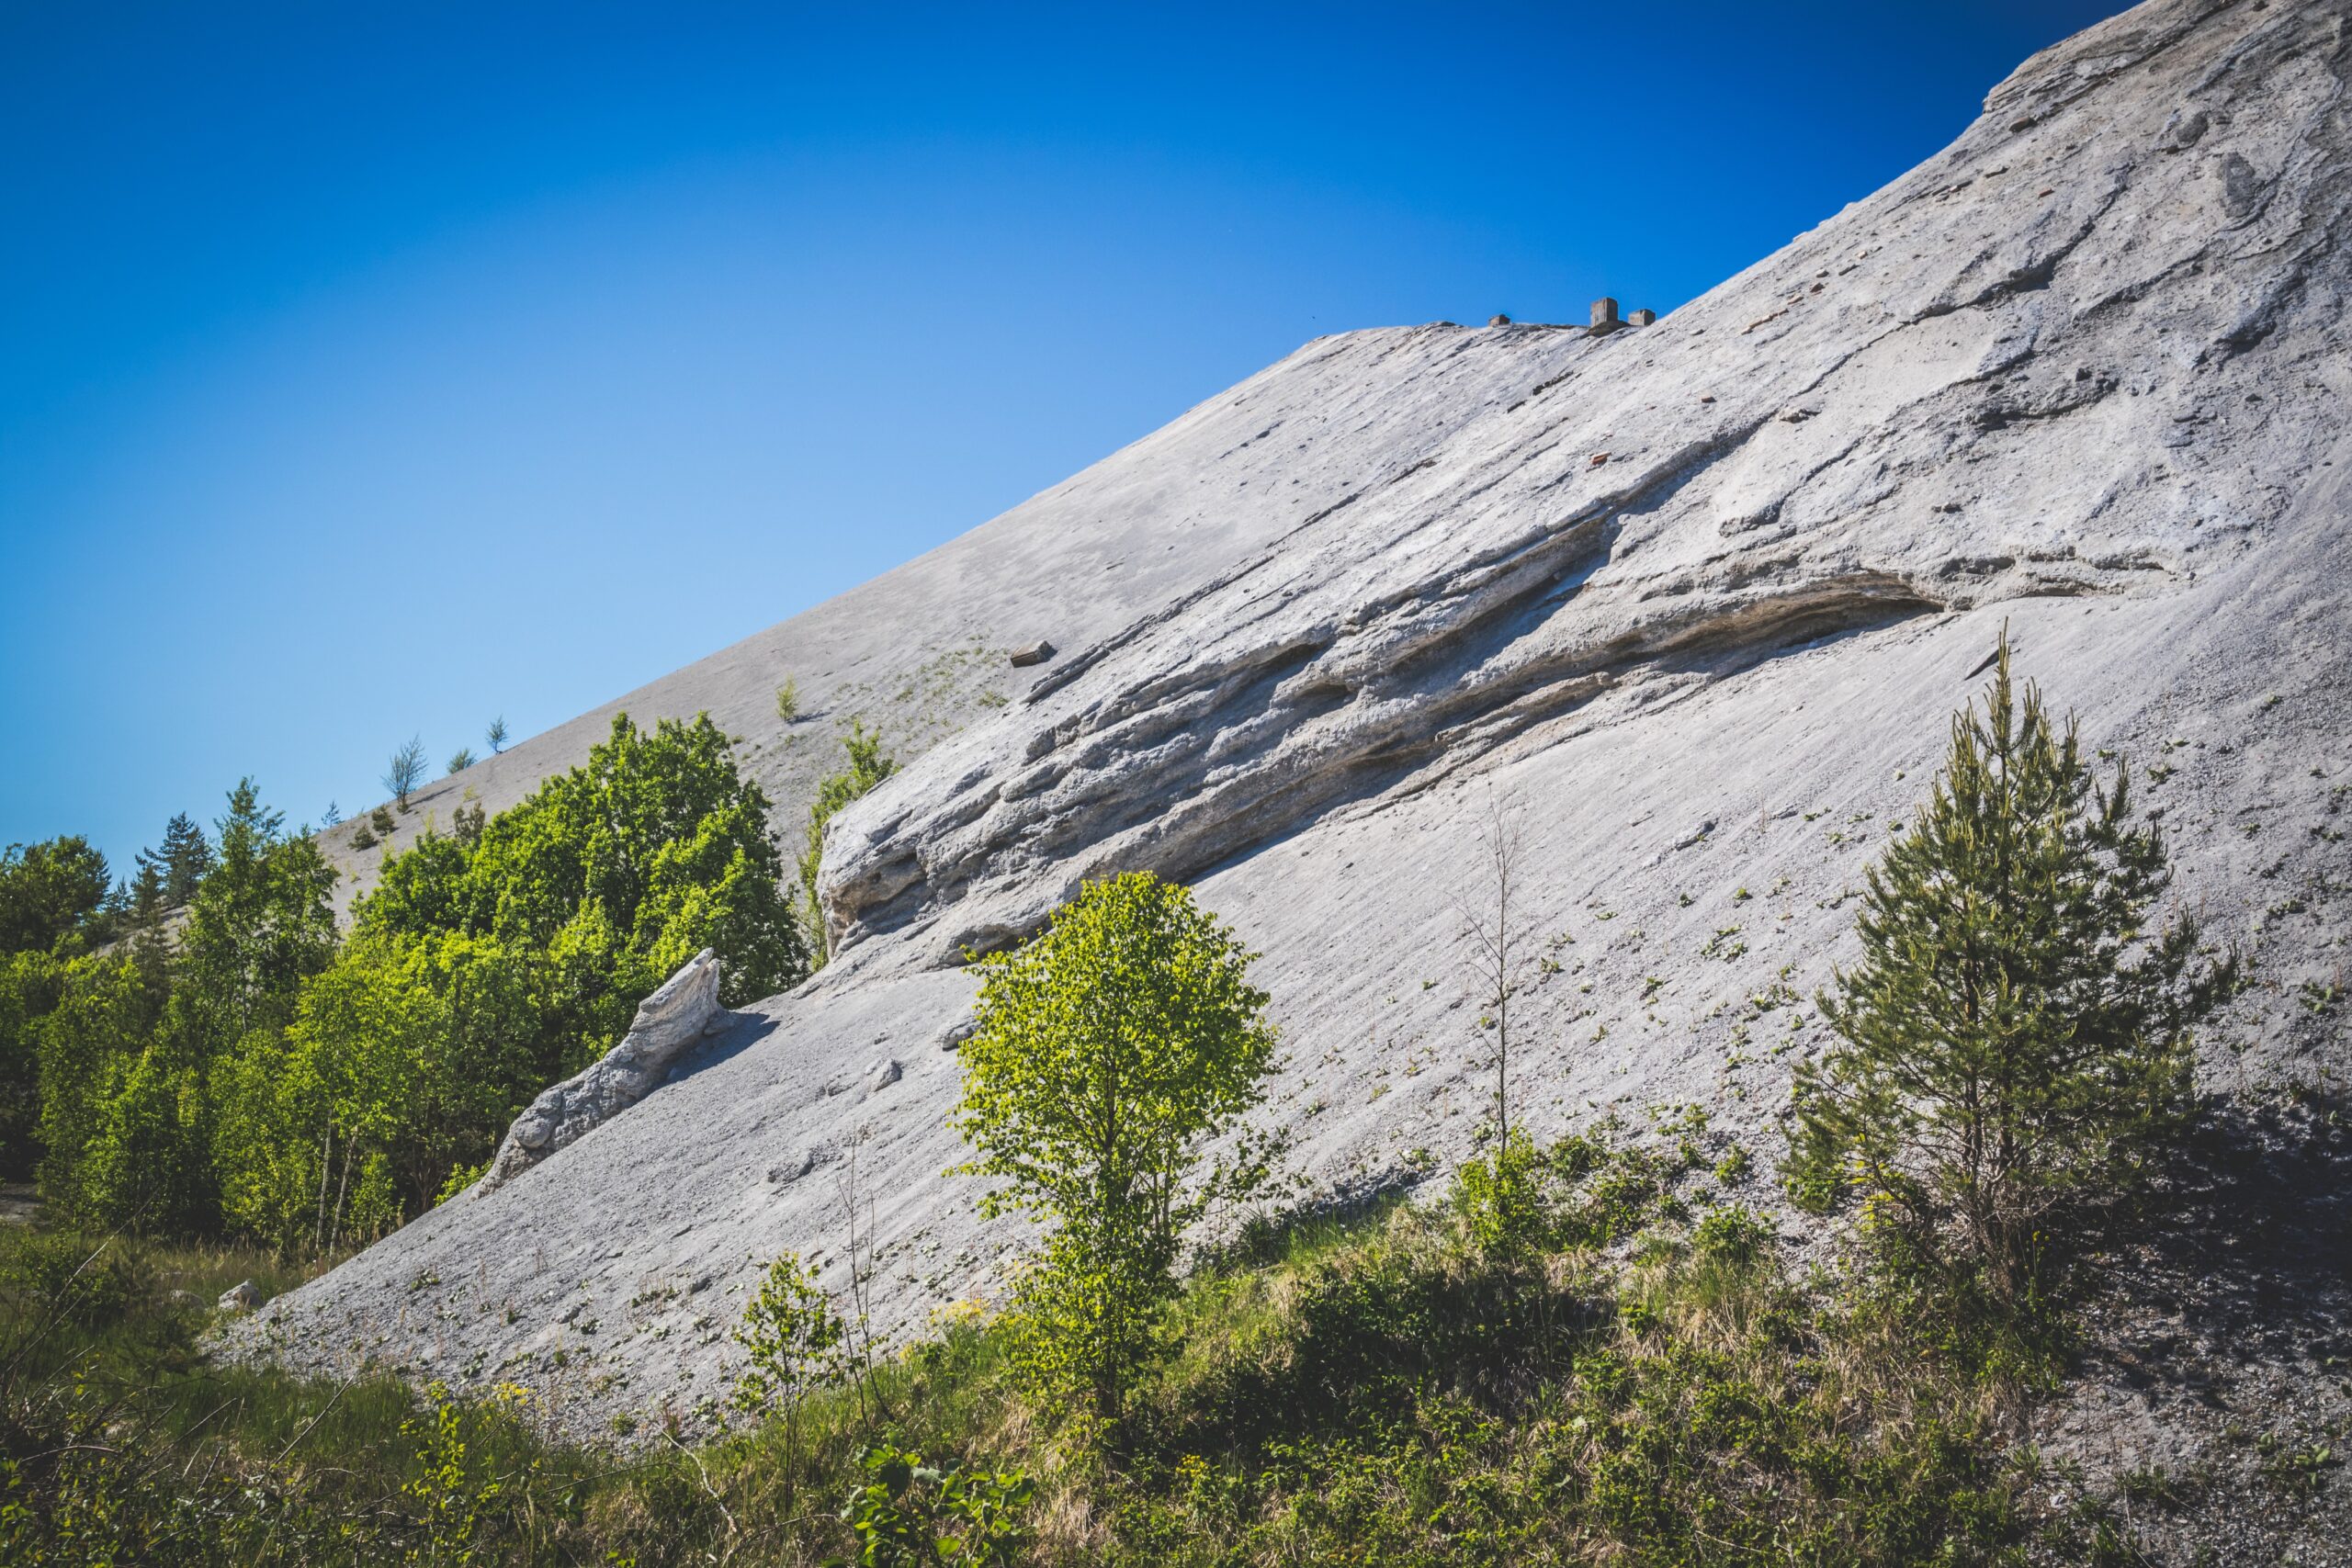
242, 1296
1036, 653
667, 1022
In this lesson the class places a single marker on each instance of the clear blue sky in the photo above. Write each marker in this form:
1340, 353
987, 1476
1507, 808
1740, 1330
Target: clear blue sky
371, 370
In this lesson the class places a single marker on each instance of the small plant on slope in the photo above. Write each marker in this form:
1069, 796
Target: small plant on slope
792, 1337
405, 771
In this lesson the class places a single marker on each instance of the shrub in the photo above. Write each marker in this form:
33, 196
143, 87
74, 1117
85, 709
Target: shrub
911, 1515
1108, 1052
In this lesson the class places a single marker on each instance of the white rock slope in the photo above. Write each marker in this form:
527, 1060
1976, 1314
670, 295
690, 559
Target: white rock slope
679, 1012
1695, 599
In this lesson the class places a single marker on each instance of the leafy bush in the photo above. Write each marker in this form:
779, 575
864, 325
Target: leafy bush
912, 1515
1108, 1052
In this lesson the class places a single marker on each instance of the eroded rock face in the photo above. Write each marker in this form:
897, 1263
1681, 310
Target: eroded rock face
2072, 356
673, 1018
2083, 375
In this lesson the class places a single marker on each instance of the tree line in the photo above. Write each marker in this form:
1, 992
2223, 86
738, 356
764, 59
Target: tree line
202, 1053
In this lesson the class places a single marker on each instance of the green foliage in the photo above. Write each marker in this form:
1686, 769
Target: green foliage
460, 760
402, 1061
792, 1337
30, 985
495, 735
615, 873
381, 821
787, 700
865, 767
50, 893
460, 1177
1108, 1052
259, 926
912, 1515
181, 862
127, 1041
405, 771
257, 1078
1377, 1390
455, 1490
1501, 1196
2015, 1047
792, 1340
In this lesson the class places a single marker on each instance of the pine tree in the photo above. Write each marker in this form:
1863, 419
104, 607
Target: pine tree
462, 760
405, 771
2015, 1045
181, 861
496, 735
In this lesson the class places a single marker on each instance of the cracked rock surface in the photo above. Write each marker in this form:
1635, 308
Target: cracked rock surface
2086, 373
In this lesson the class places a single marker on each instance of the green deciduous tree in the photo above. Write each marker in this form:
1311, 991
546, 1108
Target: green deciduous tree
2015, 1045
49, 892
1109, 1052
127, 1052
30, 985
260, 925
792, 1339
866, 766
607, 879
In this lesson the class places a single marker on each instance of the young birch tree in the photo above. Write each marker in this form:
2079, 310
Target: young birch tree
1110, 1051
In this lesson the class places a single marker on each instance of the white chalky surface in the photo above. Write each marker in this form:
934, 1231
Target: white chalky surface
2086, 373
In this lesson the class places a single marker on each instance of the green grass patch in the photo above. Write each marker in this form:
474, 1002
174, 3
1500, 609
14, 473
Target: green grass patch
1646, 1381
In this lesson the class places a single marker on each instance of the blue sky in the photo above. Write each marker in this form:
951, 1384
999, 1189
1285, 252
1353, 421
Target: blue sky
371, 371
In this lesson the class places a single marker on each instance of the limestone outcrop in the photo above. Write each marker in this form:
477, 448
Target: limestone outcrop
676, 1015
1694, 599
1886, 422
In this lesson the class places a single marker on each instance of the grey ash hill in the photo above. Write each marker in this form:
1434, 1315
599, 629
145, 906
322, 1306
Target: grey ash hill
1695, 598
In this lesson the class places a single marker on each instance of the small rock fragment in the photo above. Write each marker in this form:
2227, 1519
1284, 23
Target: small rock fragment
955, 1034
886, 1073
2180, 133
1036, 653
